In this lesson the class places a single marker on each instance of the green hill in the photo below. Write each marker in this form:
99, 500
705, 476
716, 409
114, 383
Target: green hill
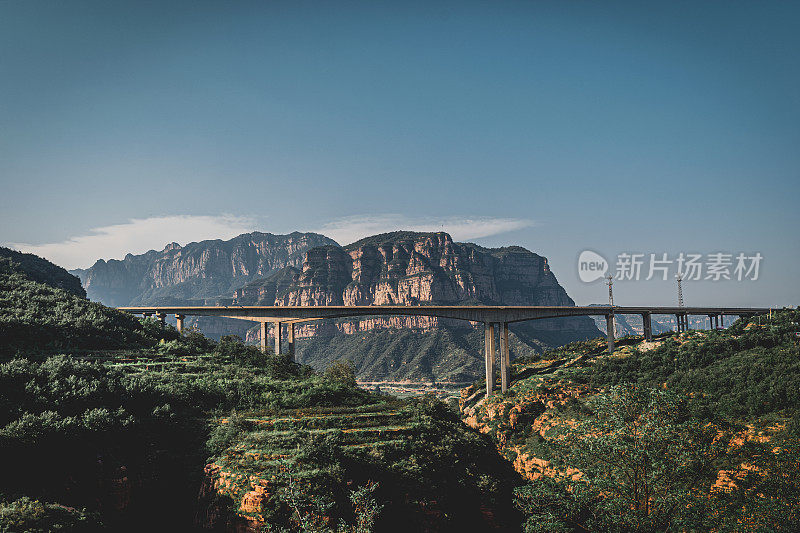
38, 316
707, 421
41, 271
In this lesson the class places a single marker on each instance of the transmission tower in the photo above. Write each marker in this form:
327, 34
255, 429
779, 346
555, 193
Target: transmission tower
679, 277
610, 283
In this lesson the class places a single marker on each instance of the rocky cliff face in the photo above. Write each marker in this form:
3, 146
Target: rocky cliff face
400, 268
405, 268
197, 271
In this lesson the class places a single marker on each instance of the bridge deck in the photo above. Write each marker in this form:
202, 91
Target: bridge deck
474, 313
491, 315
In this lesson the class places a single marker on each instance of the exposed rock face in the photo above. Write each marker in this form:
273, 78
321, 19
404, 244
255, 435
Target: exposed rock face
197, 271
406, 268
400, 268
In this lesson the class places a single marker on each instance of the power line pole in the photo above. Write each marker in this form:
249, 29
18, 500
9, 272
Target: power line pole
610, 283
679, 277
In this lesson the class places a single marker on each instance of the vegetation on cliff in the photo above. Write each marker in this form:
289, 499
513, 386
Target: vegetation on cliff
421, 465
121, 431
694, 432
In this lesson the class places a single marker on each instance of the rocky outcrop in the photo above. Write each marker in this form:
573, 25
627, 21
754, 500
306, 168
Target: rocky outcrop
408, 268
197, 271
405, 268
399, 268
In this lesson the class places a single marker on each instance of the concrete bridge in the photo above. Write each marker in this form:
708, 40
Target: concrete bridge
493, 317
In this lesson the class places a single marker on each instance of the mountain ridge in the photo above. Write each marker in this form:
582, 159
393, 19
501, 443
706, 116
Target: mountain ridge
399, 268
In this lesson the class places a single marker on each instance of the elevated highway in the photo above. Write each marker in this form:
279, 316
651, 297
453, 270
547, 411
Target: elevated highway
492, 316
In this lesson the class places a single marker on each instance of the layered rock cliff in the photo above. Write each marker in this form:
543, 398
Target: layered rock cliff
399, 268
407, 268
197, 271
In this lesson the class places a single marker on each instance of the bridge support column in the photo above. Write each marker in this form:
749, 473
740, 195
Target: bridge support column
277, 338
179, 322
610, 332
505, 359
488, 339
161, 318
263, 337
647, 326
290, 338
679, 321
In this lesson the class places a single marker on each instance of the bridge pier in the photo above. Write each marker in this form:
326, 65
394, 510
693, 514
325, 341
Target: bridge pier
290, 338
505, 359
610, 332
162, 317
488, 339
647, 326
277, 338
263, 337
179, 322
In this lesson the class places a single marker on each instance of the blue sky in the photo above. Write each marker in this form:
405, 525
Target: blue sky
558, 126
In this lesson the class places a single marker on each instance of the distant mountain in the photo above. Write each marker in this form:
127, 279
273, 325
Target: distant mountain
195, 272
402, 268
409, 268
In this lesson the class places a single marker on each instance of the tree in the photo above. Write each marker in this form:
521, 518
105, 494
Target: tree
636, 464
342, 371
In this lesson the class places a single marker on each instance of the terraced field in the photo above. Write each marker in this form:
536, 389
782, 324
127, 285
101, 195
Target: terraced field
272, 467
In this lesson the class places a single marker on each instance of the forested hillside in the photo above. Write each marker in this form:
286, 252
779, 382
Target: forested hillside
41, 271
691, 432
37, 315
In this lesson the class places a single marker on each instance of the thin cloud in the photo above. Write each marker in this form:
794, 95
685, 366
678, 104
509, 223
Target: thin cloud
350, 229
137, 236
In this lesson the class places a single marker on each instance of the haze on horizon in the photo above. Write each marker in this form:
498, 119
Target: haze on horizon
617, 127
